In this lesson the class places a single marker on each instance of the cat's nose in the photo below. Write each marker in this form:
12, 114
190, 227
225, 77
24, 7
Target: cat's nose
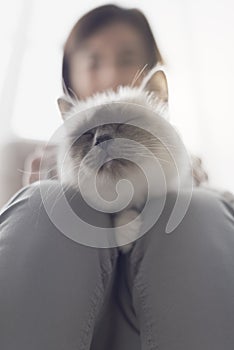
102, 138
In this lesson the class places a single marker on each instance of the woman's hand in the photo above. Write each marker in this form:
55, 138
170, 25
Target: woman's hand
200, 176
40, 165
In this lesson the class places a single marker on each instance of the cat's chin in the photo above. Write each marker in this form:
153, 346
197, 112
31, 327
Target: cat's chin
108, 166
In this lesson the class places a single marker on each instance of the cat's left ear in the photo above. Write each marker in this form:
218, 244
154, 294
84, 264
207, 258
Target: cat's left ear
64, 106
156, 82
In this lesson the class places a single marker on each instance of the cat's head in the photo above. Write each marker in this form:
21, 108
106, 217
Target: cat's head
113, 133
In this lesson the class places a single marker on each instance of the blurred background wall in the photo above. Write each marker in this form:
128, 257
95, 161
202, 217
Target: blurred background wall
196, 39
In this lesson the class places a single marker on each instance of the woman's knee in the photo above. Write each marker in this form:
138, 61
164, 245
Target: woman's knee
206, 223
34, 226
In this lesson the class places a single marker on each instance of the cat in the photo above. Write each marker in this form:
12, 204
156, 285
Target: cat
122, 134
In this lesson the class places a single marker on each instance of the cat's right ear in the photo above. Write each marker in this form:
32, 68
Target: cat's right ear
156, 82
64, 106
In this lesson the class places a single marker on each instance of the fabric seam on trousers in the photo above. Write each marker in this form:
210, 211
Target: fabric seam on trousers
146, 309
95, 301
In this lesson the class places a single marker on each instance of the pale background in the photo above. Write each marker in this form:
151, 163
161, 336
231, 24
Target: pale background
196, 39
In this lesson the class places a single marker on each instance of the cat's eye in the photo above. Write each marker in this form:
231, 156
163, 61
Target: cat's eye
121, 127
88, 133
77, 139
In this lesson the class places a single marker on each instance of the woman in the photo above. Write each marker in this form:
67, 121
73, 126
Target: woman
170, 292
95, 62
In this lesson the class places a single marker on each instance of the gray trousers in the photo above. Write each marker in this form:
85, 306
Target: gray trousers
171, 292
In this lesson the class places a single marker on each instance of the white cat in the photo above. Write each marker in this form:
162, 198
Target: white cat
118, 135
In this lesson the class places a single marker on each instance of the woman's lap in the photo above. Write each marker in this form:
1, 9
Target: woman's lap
51, 287
183, 282
58, 294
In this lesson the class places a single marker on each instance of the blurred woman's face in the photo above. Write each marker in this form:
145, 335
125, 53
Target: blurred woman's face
109, 58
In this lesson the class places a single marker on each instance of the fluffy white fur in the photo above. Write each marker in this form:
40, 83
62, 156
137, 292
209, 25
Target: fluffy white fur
112, 114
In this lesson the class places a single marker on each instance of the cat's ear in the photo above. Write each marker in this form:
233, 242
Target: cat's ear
64, 106
156, 82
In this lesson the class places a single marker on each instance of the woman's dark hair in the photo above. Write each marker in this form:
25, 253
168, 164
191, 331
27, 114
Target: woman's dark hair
101, 17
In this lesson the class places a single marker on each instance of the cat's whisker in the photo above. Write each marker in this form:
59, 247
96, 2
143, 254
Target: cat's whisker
22, 171
59, 195
74, 94
108, 107
75, 193
162, 160
137, 76
126, 153
68, 171
144, 155
154, 146
49, 192
144, 148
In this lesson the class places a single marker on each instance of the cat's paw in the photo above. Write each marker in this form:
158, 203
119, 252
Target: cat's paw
129, 233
